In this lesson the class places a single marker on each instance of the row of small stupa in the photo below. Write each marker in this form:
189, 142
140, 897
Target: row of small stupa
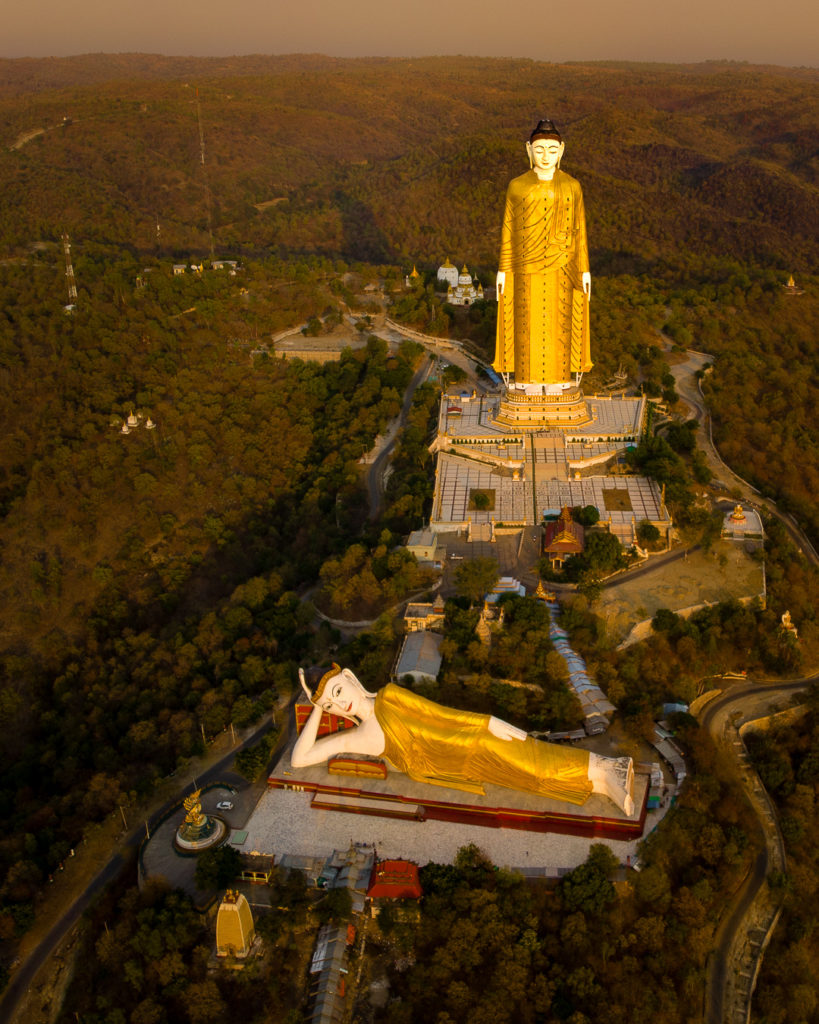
133, 422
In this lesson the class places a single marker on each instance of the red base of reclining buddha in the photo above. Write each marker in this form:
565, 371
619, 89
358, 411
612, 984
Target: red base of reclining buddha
366, 787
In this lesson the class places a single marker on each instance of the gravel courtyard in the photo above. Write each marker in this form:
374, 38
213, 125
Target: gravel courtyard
727, 571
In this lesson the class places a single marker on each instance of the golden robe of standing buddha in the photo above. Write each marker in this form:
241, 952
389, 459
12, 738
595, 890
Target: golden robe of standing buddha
544, 283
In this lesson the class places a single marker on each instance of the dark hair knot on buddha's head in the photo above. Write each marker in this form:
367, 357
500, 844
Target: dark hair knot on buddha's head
545, 130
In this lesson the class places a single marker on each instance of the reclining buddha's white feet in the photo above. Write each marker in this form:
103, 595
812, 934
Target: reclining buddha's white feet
614, 777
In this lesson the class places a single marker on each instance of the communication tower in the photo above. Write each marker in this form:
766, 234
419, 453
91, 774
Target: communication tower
205, 173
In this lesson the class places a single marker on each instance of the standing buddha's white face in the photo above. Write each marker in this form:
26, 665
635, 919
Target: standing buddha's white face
343, 695
545, 154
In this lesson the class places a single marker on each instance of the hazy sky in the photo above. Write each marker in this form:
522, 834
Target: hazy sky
759, 31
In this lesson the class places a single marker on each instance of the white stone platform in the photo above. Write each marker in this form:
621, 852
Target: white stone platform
285, 823
615, 421
527, 472
458, 476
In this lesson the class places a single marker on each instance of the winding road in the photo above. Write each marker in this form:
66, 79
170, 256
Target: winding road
688, 388
375, 474
751, 915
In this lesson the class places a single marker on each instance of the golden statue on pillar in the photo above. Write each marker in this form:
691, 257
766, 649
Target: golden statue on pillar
543, 290
198, 830
193, 807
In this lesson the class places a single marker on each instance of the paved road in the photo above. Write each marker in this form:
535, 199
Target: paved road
653, 563
24, 976
748, 702
687, 384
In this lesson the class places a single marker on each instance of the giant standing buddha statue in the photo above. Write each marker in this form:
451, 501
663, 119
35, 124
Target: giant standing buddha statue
543, 290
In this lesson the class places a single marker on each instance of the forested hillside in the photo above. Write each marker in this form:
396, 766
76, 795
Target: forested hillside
148, 579
701, 187
392, 160
150, 582
787, 758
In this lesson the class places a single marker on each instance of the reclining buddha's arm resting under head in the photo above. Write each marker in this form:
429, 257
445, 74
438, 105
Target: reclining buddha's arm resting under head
346, 697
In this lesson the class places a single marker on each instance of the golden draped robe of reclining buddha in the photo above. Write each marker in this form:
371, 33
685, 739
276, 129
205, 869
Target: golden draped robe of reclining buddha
447, 747
433, 743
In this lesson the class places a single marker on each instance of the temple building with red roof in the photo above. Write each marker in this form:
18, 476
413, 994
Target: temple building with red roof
563, 538
394, 880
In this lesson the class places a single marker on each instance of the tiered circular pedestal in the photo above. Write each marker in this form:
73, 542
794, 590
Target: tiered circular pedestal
197, 840
534, 412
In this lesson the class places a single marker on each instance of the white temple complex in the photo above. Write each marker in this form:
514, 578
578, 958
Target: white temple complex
465, 292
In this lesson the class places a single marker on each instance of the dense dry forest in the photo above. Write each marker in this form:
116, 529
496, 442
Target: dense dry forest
151, 582
406, 160
701, 186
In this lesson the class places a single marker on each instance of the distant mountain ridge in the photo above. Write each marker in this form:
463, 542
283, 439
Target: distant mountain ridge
38, 73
